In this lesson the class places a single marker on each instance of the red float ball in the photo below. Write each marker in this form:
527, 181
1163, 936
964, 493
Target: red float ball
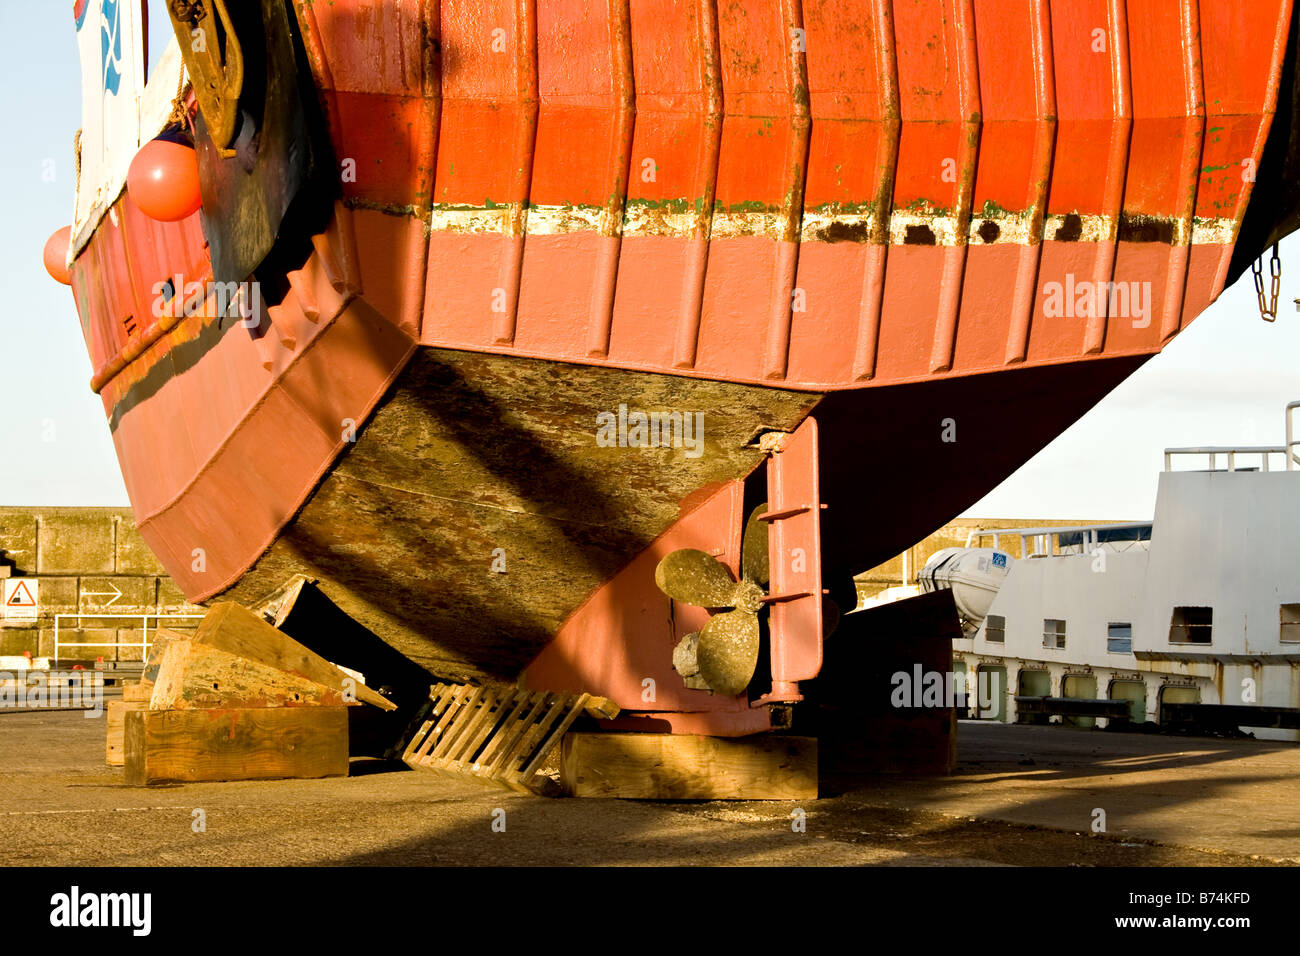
164, 180
56, 255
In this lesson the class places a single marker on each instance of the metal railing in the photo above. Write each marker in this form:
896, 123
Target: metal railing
1287, 451
144, 620
1232, 451
1045, 541
1291, 440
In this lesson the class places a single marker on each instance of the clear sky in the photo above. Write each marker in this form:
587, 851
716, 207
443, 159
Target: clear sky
55, 447
1225, 380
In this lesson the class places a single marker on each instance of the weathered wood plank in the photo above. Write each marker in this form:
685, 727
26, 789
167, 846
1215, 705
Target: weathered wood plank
602, 708
157, 648
547, 743
169, 672
682, 767
115, 723
115, 726
193, 675
237, 630
235, 744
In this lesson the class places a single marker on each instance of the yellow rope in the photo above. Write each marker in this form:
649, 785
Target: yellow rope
180, 114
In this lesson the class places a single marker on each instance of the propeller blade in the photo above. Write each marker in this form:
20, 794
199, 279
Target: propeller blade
727, 651
753, 549
694, 577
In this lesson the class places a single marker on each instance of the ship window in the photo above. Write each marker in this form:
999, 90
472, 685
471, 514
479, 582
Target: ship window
1053, 633
1119, 638
1290, 628
995, 631
1191, 625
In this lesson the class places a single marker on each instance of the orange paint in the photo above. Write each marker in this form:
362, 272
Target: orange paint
836, 196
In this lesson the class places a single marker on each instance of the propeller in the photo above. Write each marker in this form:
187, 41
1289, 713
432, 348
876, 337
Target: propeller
723, 654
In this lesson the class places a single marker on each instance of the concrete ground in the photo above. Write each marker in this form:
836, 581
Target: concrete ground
1022, 795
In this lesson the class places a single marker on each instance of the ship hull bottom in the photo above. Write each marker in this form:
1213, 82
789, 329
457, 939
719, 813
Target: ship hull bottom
481, 503
477, 510
900, 461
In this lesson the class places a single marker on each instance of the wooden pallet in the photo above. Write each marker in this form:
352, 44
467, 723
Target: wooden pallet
496, 734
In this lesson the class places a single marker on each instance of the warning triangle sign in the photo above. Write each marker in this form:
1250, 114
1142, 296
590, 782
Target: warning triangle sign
21, 596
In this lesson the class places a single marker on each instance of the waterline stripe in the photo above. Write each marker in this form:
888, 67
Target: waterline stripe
906, 227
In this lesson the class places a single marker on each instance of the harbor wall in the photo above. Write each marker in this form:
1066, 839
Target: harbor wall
90, 562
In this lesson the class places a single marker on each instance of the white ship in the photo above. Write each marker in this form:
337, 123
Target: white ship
1201, 605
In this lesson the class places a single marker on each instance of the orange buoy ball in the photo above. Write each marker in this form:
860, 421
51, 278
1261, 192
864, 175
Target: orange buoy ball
163, 180
56, 255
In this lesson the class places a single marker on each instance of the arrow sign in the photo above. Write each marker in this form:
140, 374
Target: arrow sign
112, 595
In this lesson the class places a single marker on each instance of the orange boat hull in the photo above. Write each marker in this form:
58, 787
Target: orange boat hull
883, 215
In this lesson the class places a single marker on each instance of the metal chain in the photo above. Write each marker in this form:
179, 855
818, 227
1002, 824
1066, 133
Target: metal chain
1267, 308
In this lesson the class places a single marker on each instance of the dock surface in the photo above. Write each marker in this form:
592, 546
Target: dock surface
1021, 796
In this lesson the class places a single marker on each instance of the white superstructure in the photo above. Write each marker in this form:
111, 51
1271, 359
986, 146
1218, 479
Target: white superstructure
1202, 604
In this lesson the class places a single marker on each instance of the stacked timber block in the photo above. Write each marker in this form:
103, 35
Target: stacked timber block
861, 727
135, 696
236, 700
645, 766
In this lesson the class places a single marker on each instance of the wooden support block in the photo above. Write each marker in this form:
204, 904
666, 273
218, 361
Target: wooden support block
157, 647
115, 721
114, 718
236, 630
862, 733
682, 767
856, 746
135, 696
602, 708
235, 744
193, 675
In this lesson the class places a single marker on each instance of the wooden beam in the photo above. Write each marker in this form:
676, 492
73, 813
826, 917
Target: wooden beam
235, 629
115, 721
602, 708
235, 744
193, 675
115, 726
137, 691
157, 648
682, 767
135, 696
